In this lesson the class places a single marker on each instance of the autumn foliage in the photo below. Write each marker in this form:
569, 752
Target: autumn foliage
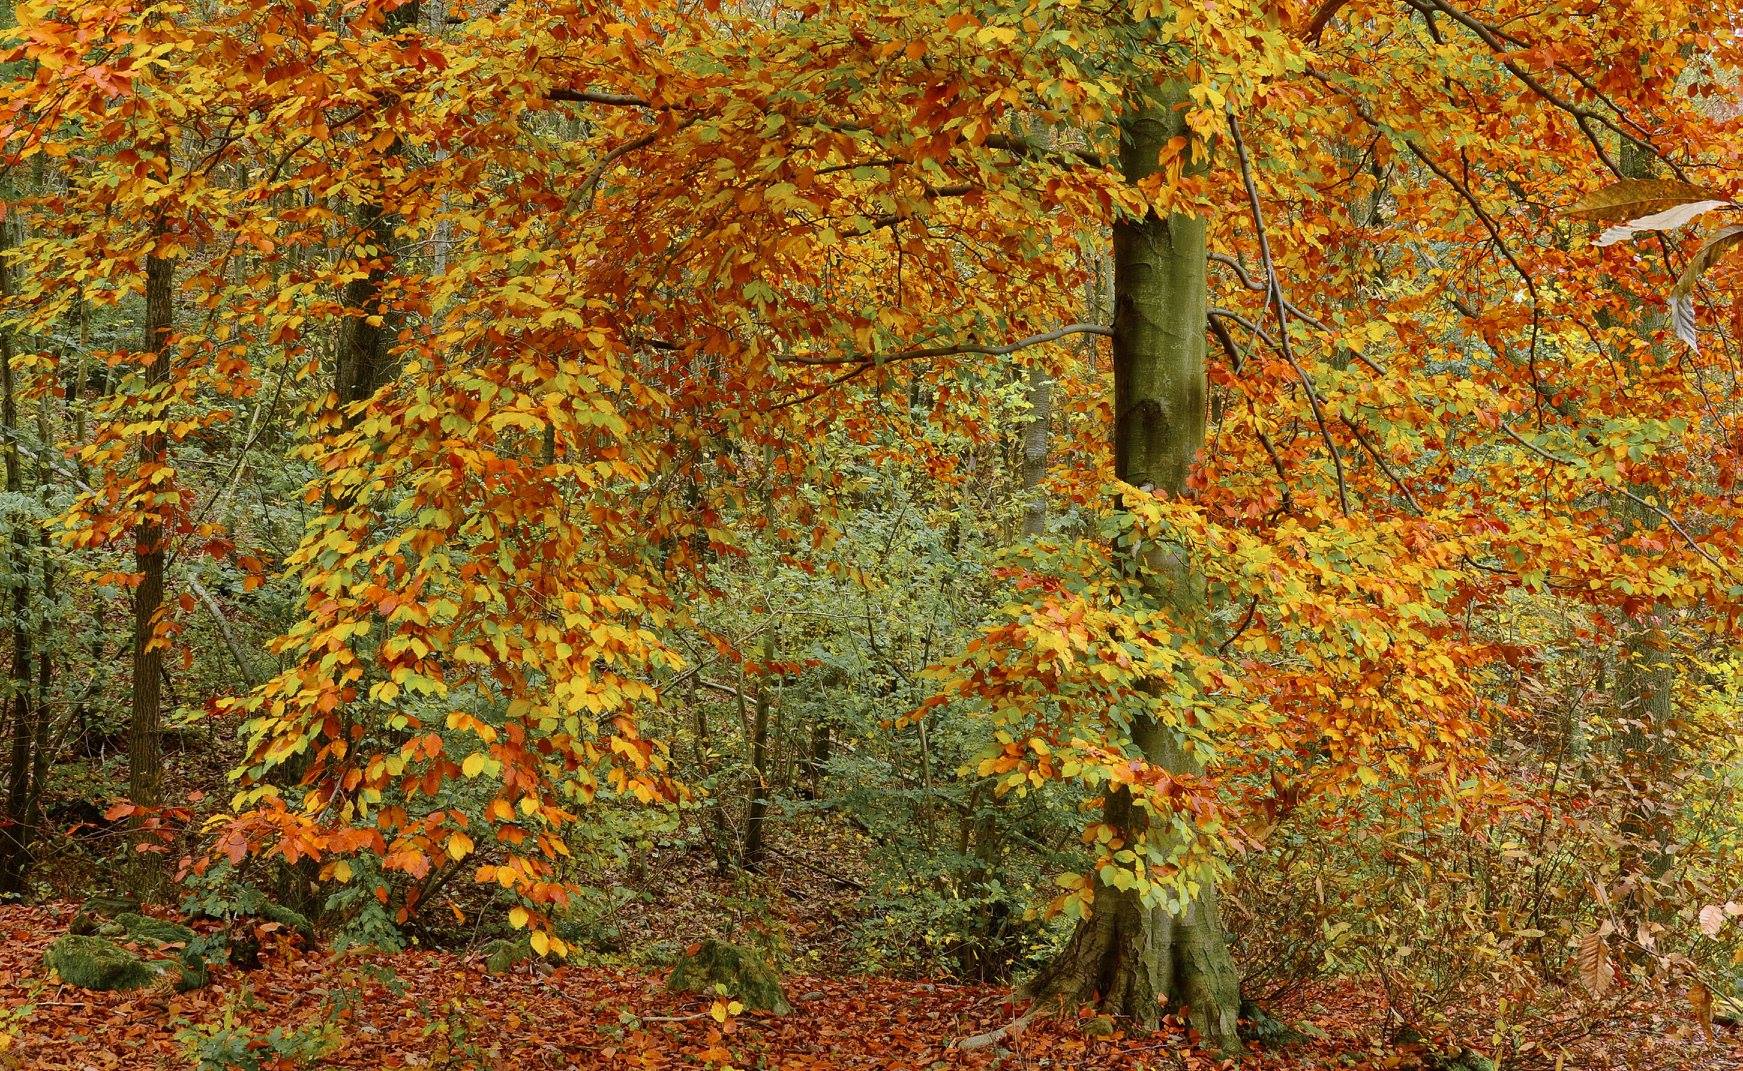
513, 401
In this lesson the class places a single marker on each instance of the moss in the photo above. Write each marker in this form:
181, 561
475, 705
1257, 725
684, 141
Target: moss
1260, 1028
504, 954
95, 963
295, 921
248, 902
659, 954
139, 927
1465, 1060
93, 915
192, 972
743, 973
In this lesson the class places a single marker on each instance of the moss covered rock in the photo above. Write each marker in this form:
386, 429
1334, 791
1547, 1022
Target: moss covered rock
192, 972
95, 963
99, 911
137, 927
295, 921
248, 902
659, 954
744, 974
1463, 1060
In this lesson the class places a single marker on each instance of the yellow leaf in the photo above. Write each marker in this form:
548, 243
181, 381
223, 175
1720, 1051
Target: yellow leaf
474, 764
518, 916
459, 845
541, 942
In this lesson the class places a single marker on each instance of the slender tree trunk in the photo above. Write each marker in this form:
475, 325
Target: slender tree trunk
1036, 434
145, 723
1645, 681
44, 664
144, 732
1127, 958
815, 764
21, 714
757, 810
362, 344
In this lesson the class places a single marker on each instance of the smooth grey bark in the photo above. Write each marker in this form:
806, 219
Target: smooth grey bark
1036, 435
1127, 958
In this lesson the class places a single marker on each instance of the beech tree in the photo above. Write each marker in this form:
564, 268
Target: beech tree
562, 303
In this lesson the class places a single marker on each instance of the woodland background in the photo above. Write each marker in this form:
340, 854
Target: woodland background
1213, 511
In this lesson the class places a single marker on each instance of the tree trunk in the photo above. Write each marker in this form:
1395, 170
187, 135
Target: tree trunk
144, 732
360, 366
1035, 449
757, 810
17, 831
1126, 958
362, 344
1645, 683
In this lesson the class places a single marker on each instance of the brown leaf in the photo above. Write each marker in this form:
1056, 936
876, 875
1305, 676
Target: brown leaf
1701, 1005
1682, 304
1712, 920
1594, 963
1633, 198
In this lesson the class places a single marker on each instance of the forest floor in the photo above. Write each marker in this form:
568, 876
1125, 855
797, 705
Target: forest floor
442, 1010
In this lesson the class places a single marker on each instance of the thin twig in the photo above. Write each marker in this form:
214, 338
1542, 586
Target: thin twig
950, 351
1287, 502
588, 96
1253, 284
1380, 461
1281, 304
1630, 495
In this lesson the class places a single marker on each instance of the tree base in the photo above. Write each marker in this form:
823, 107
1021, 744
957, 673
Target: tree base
1132, 961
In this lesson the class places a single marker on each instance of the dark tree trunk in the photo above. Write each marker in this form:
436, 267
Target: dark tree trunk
144, 730
362, 348
17, 828
815, 765
757, 810
360, 367
1126, 958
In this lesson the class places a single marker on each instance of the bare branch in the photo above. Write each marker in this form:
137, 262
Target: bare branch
1281, 304
951, 351
588, 96
1380, 461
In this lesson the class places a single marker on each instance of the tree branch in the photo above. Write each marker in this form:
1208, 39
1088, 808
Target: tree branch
950, 351
588, 96
1282, 305
1630, 495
